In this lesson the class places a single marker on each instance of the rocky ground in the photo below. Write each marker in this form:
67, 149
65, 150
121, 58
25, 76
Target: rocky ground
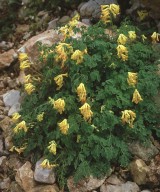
18, 174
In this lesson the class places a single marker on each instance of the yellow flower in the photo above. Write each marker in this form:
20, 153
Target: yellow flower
24, 61
46, 164
72, 24
78, 56
64, 126
76, 17
59, 105
128, 116
155, 37
19, 150
15, 117
62, 50
86, 112
25, 64
122, 39
52, 147
136, 97
122, 52
132, 78
22, 56
142, 14
29, 88
40, 117
132, 35
20, 126
27, 79
105, 14
59, 80
115, 10
81, 91
143, 37
67, 30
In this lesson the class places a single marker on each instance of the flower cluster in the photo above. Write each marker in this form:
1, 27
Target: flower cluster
132, 78
155, 37
107, 10
62, 51
64, 126
67, 30
122, 51
78, 56
81, 91
18, 150
40, 117
59, 80
20, 126
47, 165
15, 117
52, 147
128, 116
136, 97
59, 105
25, 63
86, 112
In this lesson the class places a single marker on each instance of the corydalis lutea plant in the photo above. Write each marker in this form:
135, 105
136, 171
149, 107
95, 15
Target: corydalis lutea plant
96, 95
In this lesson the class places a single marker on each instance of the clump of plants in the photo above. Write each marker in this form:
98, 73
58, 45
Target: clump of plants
94, 94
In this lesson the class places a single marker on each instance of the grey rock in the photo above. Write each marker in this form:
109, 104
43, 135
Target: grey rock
2, 159
11, 97
5, 184
12, 84
14, 187
139, 171
1, 144
44, 175
14, 162
27, 35
14, 109
5, 125
8, 142
6, 45
84, 185
25, 2
1, 103
130, 187
126, 187
92, 8
86, 21
64, 19
2, 117
114, 180
145, 153
52, 24
146, 191
5, 110
45, 188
